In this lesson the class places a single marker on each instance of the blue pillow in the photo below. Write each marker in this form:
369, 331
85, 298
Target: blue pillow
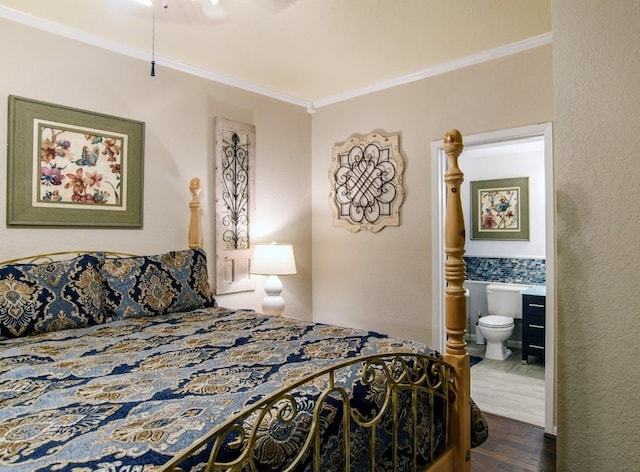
35, 298
173, 282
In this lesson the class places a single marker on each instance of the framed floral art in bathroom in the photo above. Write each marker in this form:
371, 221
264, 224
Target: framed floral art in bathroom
500, 209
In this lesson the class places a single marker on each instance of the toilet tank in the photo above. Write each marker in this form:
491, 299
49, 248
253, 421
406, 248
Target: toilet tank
505, 299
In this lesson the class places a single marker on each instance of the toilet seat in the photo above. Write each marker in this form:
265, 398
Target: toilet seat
495, 321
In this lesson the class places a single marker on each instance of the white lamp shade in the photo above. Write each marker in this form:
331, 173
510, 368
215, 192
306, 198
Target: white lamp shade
273, 259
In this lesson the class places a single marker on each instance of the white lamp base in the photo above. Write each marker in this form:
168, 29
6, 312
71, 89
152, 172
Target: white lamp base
273, 303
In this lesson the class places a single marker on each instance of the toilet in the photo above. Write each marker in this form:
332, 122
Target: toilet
504, 302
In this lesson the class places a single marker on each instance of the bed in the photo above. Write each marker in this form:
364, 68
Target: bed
136, 368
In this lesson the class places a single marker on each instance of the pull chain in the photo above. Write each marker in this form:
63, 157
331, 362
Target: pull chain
165, 4
153, 41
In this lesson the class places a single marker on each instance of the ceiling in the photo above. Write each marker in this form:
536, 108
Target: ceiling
308, 52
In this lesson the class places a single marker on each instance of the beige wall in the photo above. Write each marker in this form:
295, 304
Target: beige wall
179, 112
383, 281
597, 177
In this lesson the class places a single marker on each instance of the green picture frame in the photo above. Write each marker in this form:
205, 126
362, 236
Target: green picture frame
72, 167
500, 209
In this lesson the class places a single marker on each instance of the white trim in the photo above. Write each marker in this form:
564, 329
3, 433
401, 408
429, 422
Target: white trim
438, 199
120, 48
438, 167
461, 63
311, 106
237, 83
550, 426
68, 32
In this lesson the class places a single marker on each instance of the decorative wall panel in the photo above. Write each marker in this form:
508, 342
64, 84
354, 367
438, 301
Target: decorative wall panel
235, 190
366, 182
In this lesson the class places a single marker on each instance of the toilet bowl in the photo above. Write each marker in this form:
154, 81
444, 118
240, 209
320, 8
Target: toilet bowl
505, 304
496, 330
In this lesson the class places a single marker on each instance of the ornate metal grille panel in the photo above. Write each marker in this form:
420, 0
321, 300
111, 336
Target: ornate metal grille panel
366, 182
235, 178
234, 181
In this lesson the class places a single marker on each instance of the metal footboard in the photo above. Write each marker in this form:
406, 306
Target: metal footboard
378, 412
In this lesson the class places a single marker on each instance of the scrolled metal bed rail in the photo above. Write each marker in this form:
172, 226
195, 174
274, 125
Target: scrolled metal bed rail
399, 412
62, 256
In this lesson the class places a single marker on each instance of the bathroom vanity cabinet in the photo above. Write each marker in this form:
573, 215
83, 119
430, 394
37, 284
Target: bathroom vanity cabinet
533, 313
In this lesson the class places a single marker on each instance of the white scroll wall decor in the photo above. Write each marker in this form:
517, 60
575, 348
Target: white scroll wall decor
366, 176
235, 192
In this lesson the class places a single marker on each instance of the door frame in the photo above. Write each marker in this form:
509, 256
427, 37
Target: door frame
438, 207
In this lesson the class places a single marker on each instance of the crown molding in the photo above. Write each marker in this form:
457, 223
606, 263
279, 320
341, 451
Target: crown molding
120, 48
71, 33
461, 63
311, 106
233, 82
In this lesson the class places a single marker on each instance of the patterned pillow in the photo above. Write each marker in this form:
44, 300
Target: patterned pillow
154, 285
51, 296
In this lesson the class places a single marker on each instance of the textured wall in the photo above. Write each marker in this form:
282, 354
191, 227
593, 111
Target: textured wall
597, 176
383, 281
179, 112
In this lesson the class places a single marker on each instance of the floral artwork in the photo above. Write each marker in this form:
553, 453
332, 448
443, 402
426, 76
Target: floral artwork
500, 209
72, 167
366, 182
79, 167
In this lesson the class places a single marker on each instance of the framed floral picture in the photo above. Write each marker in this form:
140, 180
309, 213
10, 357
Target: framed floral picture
70, 167
500, 209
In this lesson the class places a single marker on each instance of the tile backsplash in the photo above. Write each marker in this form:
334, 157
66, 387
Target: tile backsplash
506, 270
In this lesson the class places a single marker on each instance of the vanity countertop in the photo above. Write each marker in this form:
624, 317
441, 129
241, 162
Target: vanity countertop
539, 290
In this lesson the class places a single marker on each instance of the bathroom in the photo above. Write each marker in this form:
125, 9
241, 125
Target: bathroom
514, 387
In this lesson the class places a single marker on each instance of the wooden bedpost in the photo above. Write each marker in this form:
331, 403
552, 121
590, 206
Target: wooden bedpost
195, 227
455, 304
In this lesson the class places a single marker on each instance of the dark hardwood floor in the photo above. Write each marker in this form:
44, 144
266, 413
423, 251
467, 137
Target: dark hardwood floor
514, 446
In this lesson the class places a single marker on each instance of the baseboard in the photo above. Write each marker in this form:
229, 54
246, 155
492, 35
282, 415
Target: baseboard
514, 344
471, 338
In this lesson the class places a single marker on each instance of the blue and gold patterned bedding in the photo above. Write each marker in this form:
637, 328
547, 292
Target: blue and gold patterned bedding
130, 394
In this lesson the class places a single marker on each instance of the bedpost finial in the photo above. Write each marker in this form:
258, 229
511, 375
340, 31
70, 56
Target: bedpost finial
453, 141
195, 225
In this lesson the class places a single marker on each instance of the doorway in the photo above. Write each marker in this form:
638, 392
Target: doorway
439, 165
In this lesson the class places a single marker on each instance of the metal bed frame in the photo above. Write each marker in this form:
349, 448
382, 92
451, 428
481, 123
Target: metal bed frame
447, 378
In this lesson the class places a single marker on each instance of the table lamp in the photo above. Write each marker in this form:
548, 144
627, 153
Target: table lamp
273, 260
